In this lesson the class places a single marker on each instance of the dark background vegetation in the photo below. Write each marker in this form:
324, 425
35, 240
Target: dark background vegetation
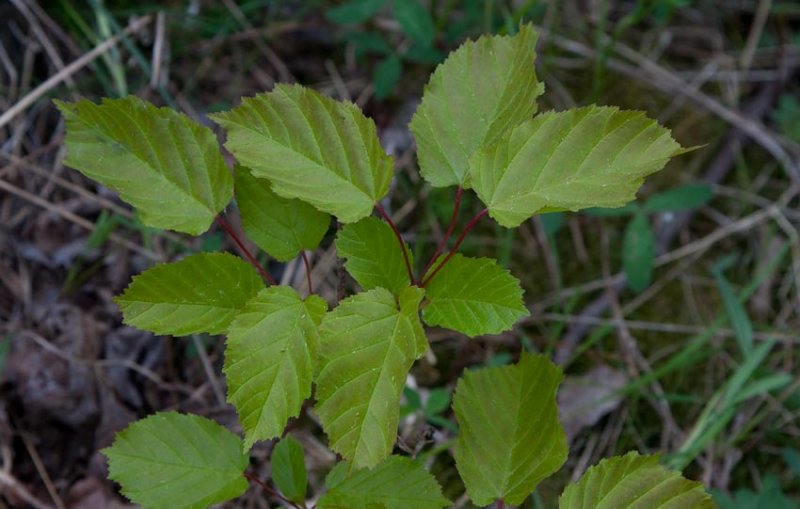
657, 370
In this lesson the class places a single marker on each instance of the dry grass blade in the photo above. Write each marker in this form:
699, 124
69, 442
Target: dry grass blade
69, 70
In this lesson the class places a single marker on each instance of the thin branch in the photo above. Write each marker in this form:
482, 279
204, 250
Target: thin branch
388, 219
450, 228
308, 271
246, 252
264, 486
467, 229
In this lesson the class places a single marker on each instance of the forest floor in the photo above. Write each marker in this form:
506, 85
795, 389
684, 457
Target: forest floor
659, 370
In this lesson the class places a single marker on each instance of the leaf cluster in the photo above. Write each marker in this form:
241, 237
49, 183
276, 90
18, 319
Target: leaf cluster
302, 158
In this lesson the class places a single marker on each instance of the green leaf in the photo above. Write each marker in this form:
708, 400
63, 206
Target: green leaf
368, 42
638, 252
386, 75
510, 437
395, 483
587, 157
479, 92
792, 458
679, 198
626, 210
367, 345
787, 116
473, 296
438, 402
174, 461
158, 160
420, 54
737, 314
414, 20
200, 293
269, 359
354, 11
289, 469
280, 226
373, 255
310, 147
634, 481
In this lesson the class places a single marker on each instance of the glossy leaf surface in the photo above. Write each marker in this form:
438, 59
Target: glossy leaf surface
311, 147
176, 461
480, 91
158, 160
200, 293
510, 438
586, 157
269, 359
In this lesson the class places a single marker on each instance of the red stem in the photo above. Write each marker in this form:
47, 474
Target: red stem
452, 252
308, 271
447, 235
246, 252
264, 486
388, 219
500, 504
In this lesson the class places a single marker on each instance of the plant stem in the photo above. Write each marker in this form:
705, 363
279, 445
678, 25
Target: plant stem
500, 504
388, 219
447, 234
246, 252
264, 486
308, 271
452, 252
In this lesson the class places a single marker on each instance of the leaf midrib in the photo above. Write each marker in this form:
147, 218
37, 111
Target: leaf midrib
145, 163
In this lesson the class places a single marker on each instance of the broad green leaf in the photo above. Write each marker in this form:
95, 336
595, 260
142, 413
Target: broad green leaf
587, 157
504, 454
386, 75
269, 359
634, 482
373, 256
638, 252
354, 11
289, 469
396, 483
280, 226
480, 91
200, 293
679, 198
310, 147
415, 20
473, 296
175, 461
158, 160
367, 345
